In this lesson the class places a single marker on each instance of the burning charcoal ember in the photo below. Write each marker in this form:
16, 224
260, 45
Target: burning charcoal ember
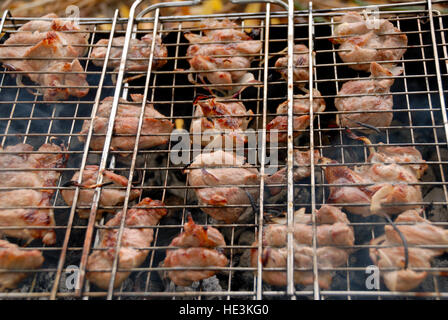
48, 52
387, 184
390, 251
219, 179
138, 54
300, 62
367, 95
14, 258
224, 46
113, 191
333, 230
218, 119
129, 256
197, 246
301, 120
12, 203
155, 129
368, 40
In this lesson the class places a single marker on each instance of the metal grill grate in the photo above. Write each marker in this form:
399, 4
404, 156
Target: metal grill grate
419, 120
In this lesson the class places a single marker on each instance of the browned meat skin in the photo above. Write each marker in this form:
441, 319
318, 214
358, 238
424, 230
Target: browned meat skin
131, 253
390, 184
219, 119
12, 203
223, 46
210, 171
138, 54
302, 170
421, 232
333, 230
198, 249
300, 62
14, 258
368, 95
126, 123
47, 39
360, 42
111, 195
301, 119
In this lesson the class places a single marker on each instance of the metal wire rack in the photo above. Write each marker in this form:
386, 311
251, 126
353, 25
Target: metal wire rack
419, 120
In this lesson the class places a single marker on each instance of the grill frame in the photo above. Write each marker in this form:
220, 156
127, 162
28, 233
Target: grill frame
107, 158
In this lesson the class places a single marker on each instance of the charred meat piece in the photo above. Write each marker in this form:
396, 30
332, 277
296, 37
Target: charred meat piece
219, 178
216, 119
302, 170
301, 119
111, 194
14, 258
133, 241
332, 231
49, 51
368, 40
367, 95
383, 187
221, 54
197, 247
390, 252
300, 62
138, 54
155, 130
27, 207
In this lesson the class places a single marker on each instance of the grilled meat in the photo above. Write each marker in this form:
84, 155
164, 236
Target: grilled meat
300, 62
51, 47
155, 129
138, 54
133, 241
111, 195
367, 95
417, 231
223, 47
219, 119
14, 258
198, 248
384, 187
367, 40
218, 178
14, 211
301, 119
332, 230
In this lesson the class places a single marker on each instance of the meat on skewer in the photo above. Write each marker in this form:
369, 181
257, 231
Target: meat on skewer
134, 241
198, 247
300, 62
51, 47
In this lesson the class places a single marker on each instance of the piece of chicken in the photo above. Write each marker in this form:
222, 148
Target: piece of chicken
29, 207
368, 40
302, 170
134, 243
218, 179
48, 52
13, 258
332, 231
215, 118
196, 247
221, 54
138, 54
278, 127
156, 128
386, 254
357, 97
112, 193
300, 62
380, 187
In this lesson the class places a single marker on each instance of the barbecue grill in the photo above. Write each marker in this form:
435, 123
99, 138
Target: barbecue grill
420, 120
